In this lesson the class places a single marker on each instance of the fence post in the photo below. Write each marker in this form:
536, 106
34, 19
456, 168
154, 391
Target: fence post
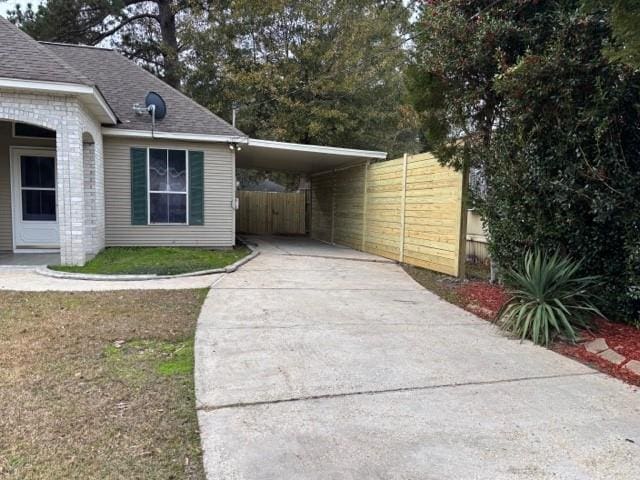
333, 205
364, 205
462, 224
403, 204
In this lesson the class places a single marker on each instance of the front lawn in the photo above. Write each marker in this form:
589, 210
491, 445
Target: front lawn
156, 260
98, 385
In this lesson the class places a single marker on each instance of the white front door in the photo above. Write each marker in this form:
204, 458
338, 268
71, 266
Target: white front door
33, 188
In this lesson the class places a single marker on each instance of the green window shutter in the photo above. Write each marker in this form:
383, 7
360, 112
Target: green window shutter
138, 186
196, 188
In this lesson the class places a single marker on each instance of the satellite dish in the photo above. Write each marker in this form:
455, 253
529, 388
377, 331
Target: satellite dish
159, 107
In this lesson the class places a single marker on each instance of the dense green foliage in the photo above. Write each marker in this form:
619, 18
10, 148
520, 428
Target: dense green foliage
312, 71
529, 93
156, 260
548, 297
624, 17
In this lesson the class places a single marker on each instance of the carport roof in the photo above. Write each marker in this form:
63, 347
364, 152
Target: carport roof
299, 158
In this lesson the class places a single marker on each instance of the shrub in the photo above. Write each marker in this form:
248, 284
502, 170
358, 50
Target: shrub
548, 298
549, 120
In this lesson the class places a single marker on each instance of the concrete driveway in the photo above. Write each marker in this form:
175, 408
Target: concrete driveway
317, 362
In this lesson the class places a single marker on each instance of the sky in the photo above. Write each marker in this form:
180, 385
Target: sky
6, 5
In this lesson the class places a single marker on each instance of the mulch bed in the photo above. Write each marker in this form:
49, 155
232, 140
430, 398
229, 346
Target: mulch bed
484, 300
624, 339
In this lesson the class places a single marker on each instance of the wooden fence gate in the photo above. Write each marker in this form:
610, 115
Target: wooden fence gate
271, 213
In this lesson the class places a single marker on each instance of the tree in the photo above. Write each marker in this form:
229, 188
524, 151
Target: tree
624, 17
317, 71
528, 93
147, 31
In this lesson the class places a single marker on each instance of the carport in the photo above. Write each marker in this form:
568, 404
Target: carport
410, 209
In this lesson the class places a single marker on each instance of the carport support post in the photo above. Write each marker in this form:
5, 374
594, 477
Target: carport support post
403, 204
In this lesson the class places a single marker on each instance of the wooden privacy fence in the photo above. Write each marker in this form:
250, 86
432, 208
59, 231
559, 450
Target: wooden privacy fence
271, 213
409, 209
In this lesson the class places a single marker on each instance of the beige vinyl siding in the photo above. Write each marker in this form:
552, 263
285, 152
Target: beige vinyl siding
6, 142
219, 193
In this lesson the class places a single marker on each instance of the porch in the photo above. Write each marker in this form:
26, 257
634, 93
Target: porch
51, 201
12, 260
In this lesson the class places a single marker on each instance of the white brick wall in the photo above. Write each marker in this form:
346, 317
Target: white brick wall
93, 171
80, 213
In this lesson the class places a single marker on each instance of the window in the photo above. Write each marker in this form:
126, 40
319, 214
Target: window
38, 188
167, 177
32, 131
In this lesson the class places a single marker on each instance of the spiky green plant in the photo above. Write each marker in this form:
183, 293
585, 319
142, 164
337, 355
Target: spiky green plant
548, 297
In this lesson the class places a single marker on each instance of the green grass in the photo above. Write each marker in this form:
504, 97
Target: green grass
137, 360
156, 260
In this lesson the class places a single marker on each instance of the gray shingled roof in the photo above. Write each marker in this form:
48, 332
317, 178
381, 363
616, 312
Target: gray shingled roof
121, 82
124, 83
21, 57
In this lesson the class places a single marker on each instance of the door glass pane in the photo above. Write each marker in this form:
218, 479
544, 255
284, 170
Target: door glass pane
177, 171
157, 169
39, 205
38, 172
177, 208
158, 207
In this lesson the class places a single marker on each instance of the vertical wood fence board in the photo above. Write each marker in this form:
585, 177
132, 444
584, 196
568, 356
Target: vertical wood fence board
271, 213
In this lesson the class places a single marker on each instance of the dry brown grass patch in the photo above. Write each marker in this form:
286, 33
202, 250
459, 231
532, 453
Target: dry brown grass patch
89, 387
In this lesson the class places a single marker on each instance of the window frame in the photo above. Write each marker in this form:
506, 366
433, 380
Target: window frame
185, 193
53, 189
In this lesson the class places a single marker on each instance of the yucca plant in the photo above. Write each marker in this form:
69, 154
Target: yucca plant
548, 297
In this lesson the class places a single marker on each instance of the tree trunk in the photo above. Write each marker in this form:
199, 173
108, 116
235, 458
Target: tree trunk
167, 20
493, 276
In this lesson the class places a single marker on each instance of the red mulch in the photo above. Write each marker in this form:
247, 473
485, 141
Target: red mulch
485, 299
622, 338
482, 298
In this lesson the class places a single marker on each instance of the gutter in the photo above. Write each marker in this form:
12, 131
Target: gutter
194, 137
299, 147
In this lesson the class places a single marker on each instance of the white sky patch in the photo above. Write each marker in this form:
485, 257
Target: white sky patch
7, 5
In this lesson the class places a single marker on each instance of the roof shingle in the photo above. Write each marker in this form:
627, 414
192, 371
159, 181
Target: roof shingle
123, 84
21, 57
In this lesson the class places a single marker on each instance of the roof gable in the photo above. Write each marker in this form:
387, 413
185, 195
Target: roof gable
120, 81
123, 84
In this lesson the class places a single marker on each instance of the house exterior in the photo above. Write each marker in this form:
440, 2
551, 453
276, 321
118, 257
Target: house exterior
81, 168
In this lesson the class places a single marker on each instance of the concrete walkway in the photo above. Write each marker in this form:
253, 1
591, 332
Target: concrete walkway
324, 368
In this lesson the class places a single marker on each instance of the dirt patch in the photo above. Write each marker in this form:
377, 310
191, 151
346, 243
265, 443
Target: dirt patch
472, 294
98, 385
